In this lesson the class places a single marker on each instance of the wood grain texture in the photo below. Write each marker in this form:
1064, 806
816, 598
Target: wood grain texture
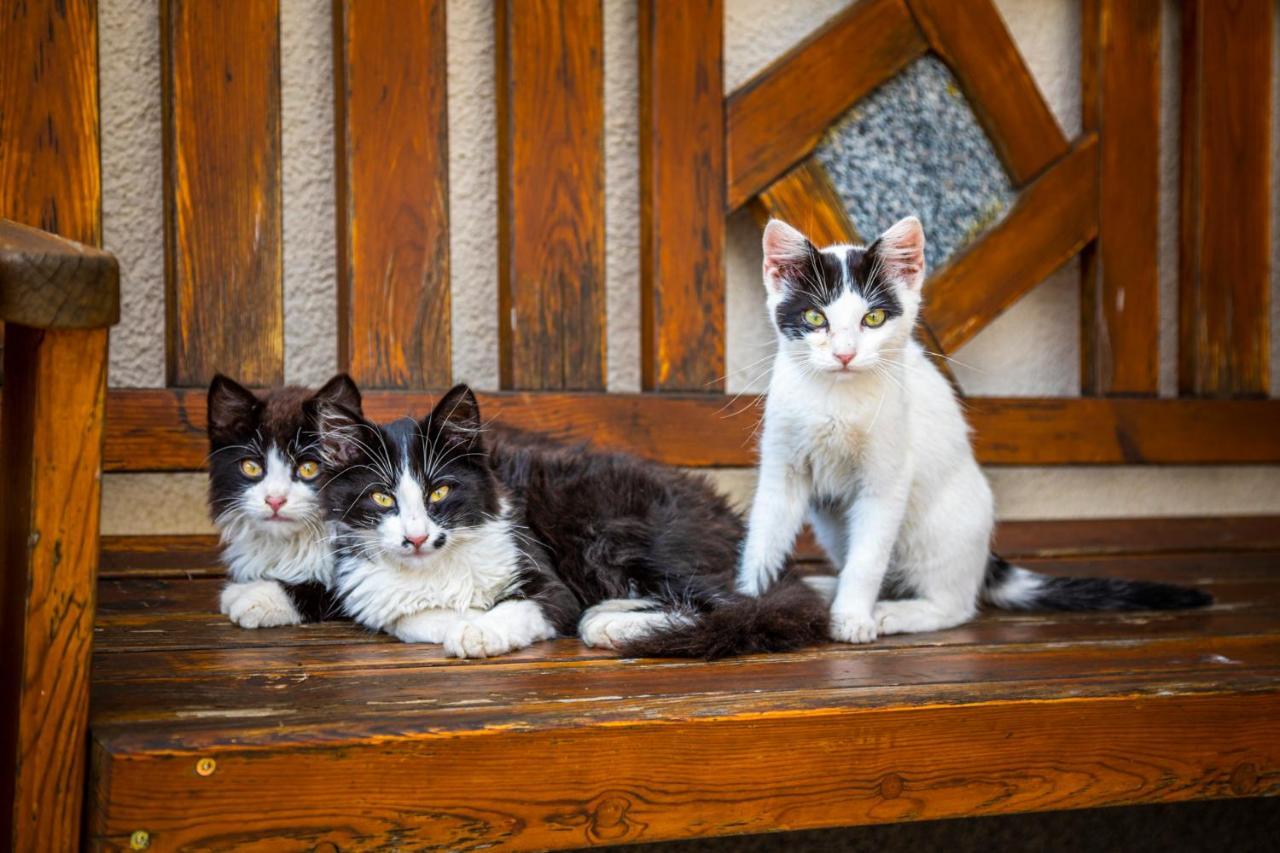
1120, 289
781, 114
682, 169
972, 39
55, 386
551, 300
1224, 265
971, 721
222, 190
164, 430
393, 193
50, 282
1052, 220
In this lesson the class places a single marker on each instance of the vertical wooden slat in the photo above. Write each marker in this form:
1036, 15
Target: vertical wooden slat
550, 71
393, 192
54, 394
1121, 100
1225, 184
682, 179
222, 190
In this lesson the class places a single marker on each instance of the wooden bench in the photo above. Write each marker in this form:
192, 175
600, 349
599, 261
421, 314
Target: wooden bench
201, 735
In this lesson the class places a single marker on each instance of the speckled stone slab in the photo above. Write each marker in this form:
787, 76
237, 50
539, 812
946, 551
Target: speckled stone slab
914, 147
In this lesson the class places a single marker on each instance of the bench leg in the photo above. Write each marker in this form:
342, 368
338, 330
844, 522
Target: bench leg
51, 458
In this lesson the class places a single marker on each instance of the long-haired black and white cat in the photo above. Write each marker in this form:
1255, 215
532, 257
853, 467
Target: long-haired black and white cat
265, 478
865, 438
490, 540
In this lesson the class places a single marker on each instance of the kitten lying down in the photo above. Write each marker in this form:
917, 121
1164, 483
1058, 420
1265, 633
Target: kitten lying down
265, 479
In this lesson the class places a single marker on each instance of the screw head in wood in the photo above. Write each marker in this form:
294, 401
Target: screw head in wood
206, 766
140, 840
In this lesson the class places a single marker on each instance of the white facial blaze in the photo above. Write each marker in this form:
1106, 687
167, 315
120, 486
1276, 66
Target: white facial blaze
278, 483
409, 521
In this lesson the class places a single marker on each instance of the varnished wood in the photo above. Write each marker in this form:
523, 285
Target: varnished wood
682, 171
393, 192
50, 282
1223, 281
550, 73
222, 190
55, 385
1051, 221
1120, 294
163, 430
780, 115
972, 39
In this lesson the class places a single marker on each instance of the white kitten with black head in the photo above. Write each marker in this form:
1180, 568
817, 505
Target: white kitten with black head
265, 479
866, 439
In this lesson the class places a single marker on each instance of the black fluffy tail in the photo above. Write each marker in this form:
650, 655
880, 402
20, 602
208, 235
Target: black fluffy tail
788, 616
1014, 588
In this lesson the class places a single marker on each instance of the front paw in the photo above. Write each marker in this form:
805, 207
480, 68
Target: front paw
477, 640
853, 627
751, 583
261, 604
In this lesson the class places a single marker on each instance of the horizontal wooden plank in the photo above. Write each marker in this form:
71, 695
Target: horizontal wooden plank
1053, 219
164, 429
780, 115
50, 282
972, 39
862, 766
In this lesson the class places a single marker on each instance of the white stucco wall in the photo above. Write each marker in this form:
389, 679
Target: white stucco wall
1031, 350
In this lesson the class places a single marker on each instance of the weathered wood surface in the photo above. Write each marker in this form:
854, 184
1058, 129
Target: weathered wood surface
551, 302
50, 282
393, 193
682, 170
780, 115
971, 38
1120, 319
1107, 708
222, 190
1227, 154
164, 430
1051, 221
55, 386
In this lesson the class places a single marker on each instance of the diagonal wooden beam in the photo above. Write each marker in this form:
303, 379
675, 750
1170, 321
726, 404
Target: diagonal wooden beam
972, 39
1053, 219
777, 118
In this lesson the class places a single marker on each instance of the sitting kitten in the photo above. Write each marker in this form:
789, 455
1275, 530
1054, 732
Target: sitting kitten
864, 436
265, 477
490, 542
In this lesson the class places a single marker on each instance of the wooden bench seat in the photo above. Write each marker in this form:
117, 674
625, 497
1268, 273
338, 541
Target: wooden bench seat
205, 735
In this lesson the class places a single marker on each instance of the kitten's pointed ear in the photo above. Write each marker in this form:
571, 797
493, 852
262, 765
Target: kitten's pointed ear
785, 251
343, 433
457, 415
232, 411
341, 389
901, 252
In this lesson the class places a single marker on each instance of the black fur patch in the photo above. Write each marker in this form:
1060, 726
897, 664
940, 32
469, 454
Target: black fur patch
818, 279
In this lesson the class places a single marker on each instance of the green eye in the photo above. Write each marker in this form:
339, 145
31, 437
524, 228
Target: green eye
874, 317
815, 318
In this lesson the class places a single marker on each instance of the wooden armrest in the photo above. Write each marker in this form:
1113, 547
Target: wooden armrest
50, 282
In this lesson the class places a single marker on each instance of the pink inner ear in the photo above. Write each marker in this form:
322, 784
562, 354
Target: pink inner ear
783, 246
902, 249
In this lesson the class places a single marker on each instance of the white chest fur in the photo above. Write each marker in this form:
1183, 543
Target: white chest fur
302, 557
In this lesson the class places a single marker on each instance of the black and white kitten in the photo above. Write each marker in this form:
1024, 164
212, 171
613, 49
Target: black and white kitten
265, 477
865, 439
490, 540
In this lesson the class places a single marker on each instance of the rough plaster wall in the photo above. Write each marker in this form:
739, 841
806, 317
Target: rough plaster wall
310, 251
622, 195
132, 197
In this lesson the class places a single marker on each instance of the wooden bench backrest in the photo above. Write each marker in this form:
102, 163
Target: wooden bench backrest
702, 155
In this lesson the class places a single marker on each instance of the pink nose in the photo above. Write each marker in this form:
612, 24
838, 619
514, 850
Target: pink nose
844, 357
416, 541
276, 503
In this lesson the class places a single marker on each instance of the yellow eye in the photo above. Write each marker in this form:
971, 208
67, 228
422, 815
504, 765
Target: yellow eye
383, 500
439, 494
874, 317
308, 470
815, 318
250, 468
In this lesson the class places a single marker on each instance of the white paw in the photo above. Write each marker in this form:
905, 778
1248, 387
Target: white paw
751, 583
852, 628
606, 630
477, 640
260, 604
